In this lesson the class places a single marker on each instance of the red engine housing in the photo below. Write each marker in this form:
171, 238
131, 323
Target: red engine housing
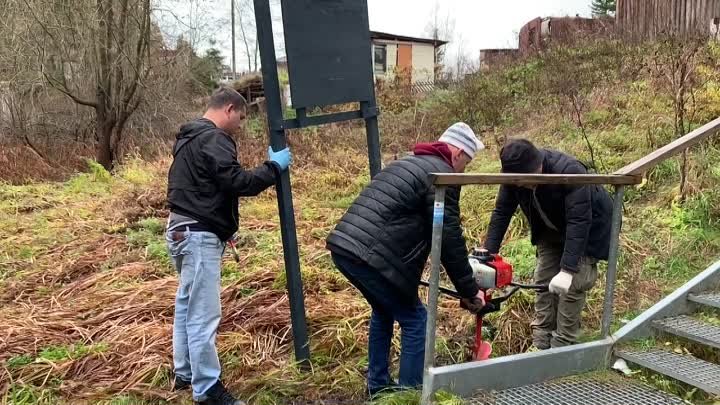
503, 276
503, 271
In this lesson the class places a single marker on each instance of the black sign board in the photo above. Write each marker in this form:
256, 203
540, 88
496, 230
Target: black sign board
328, 50
329, 62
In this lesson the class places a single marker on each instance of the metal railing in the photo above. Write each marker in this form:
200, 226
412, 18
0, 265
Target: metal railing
585, 356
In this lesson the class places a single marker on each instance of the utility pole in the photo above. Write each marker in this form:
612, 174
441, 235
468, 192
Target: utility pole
232, 23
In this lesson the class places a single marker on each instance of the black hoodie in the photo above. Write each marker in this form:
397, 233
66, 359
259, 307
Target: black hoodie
582, 214
205, 179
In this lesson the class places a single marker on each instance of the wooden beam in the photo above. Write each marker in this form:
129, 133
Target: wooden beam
452, 179
643, 165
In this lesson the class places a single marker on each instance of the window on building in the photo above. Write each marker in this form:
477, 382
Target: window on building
380, 59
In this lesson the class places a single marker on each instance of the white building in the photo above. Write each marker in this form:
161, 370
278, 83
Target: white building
396, 53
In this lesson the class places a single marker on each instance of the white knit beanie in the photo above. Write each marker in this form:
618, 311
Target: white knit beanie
461, 136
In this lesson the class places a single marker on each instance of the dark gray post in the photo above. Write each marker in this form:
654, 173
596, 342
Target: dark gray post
612, 260
373, 136
285, 204
434, 289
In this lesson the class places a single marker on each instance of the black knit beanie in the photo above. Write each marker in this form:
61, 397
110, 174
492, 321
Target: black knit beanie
520, 156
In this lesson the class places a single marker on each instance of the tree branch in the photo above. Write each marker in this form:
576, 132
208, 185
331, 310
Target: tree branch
61, 88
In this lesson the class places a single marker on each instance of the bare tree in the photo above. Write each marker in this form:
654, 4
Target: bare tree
191, 20
248, 32
464, 63
570, 75
440, 28
97, 54
674, 63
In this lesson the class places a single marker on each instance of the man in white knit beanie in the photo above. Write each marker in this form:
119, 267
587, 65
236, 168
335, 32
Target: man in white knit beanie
382, 243
462, 138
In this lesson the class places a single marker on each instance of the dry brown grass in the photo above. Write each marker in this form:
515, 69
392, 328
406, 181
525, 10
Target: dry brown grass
72, 273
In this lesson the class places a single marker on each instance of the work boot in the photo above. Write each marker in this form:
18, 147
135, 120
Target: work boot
218, 395
179, 384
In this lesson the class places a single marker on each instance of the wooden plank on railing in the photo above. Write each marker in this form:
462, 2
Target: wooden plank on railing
448, 179
643, 165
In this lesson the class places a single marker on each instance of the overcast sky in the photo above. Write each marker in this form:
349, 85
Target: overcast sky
478, 23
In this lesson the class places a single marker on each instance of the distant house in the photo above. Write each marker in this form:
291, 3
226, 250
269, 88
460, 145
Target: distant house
540, 33
415, 57
650, 18
226, 76
393, 54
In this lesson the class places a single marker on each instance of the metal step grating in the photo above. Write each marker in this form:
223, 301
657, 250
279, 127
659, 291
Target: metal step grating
690, 328
711, 299
578, 392
688, 369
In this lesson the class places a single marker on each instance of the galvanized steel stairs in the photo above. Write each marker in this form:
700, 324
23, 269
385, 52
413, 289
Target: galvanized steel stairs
683, 367
578, 391
568, 375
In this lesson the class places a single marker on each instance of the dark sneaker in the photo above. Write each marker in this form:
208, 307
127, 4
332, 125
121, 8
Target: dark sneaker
180, 384
218, 395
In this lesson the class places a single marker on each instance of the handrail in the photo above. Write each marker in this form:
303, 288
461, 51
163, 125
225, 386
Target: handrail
673, 148
628, 175
450, 179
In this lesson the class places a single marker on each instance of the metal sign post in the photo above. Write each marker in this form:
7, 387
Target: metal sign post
329, 62
271, 85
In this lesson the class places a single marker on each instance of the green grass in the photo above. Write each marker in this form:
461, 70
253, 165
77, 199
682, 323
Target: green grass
397, 398
665, 241
148, 234
135, 172
643, 344
710, 317
71, 352
412, 397
521, 253
135, 400
19, 361
97, 181
23, 394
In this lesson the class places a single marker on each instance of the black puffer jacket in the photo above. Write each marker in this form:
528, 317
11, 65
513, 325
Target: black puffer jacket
389, 227
581, 214
205, 179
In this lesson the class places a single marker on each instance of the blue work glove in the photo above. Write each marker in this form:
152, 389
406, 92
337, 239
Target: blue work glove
283, 158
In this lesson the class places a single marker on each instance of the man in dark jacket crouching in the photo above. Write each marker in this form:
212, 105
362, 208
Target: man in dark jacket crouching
570, 225
383, 241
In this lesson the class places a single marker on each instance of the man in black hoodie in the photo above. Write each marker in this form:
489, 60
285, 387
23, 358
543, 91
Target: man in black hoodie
570, 225
204, 183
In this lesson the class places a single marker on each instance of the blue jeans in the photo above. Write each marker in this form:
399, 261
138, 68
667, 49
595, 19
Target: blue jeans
197, 258
388, 307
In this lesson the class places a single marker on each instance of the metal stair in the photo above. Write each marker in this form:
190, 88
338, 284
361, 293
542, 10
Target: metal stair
710, 299
691, 329
580, 374
688, 369
578, 391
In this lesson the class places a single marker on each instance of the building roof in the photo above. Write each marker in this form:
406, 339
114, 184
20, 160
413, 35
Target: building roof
499, 50
393, 37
